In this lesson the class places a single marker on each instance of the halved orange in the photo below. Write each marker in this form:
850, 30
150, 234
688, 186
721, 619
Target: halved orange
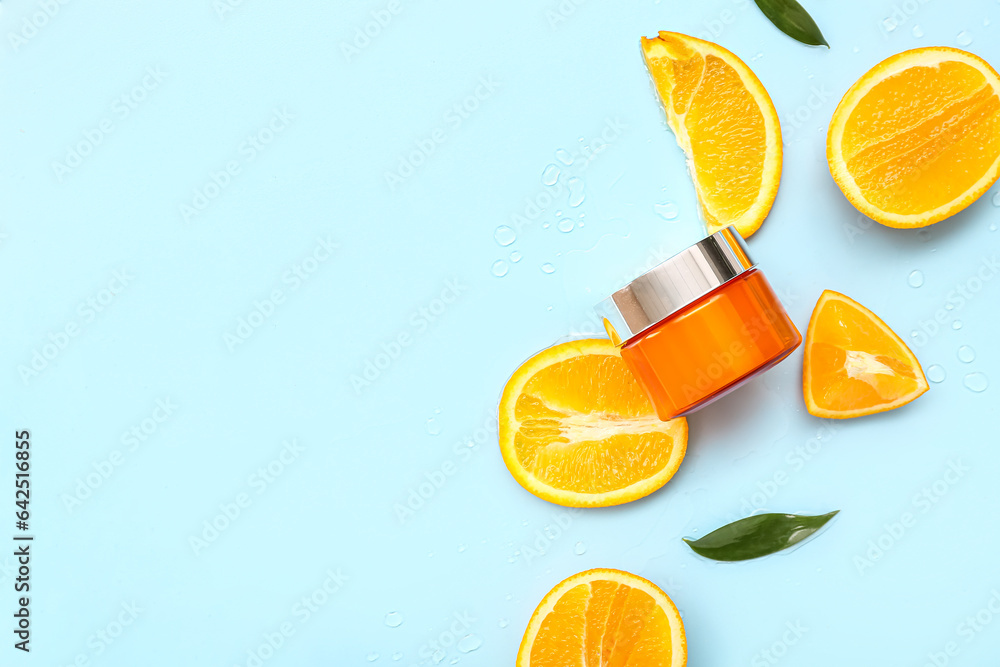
604, 617
917, 138
854, 363
726, 124
577, 430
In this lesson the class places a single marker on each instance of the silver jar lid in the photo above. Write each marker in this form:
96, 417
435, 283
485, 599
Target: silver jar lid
675, 283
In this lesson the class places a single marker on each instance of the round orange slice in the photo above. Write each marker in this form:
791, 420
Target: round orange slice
917, 138
577, 430
726, 124
604, 617
854, 363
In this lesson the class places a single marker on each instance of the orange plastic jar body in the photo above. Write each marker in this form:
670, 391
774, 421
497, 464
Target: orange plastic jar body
712, 346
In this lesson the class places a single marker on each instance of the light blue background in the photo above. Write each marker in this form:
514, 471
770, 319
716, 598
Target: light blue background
471, 551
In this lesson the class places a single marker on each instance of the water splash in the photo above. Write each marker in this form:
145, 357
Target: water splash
504, 235
966, 354
915, 279
394, 619
576, 192
550, 174
936, 373
977, 382
500, 268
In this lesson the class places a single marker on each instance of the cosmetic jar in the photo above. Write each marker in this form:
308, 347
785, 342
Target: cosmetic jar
699, 325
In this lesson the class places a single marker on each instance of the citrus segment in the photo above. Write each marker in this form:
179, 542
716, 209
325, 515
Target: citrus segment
854, 363
725, 123
604, 618
576, 428
917, 138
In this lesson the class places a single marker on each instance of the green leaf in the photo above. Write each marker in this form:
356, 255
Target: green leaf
791, 19
757, 536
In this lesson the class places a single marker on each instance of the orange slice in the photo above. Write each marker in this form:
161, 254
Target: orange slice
854, 363
917, 138
725, 123
576, 428
604, 617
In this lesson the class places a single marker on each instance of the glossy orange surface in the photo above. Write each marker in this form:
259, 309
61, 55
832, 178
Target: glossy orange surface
712, 346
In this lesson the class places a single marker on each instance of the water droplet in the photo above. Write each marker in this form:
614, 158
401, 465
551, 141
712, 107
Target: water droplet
576, 192
936, 373
500, 268
580, 549
438, 656
515, 256
563, 156
548, 268
986, 22
372, 657
963, 38
566, 225
957, 324
509, 596
503, 623
433, 427
996, 198
504, 235
918, 31
461, 548
550, 174
667, 210
394, 619
397, 655
469, 643
915, 279
757, 56
993, 227
857, 50
977, 382
545, 225
889, 24
454, 661
966, 354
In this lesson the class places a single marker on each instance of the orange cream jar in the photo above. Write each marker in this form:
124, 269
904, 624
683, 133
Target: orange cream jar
699, 325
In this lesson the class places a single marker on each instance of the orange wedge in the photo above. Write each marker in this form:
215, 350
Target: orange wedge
917, 138
577, 430
854, 363
604, 617
725, 123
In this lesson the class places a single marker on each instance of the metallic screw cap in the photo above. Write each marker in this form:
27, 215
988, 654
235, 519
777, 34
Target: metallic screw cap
675, 283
